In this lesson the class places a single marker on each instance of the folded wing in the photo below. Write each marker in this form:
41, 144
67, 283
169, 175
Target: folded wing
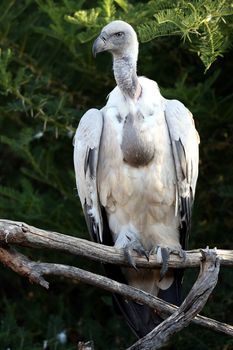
86, 152
184, 142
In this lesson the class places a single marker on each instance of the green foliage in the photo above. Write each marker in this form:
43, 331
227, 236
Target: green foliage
206, 26
48, 78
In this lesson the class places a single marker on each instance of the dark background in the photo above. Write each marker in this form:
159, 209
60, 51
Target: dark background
48, 79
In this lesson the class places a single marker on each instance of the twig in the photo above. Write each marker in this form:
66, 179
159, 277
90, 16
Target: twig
85, 345
193, 304
19, 233
36, 272
22, 265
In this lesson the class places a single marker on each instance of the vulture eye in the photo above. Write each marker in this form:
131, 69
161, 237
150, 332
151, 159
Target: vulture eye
119, 34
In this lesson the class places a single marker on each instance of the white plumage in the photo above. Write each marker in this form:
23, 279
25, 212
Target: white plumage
136, 166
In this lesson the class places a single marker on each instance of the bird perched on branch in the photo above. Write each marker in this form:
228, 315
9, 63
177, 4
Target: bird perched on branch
136, 166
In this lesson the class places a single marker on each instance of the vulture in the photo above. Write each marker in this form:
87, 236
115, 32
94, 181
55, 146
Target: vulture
136, 168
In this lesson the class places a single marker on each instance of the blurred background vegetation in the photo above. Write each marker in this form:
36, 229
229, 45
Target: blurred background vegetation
48, 79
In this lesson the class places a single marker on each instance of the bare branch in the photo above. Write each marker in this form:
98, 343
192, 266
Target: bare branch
85, 345
22, 265
193, 304
19, 233
36, 272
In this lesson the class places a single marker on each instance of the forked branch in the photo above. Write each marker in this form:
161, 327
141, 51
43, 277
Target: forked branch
36, 272
194, 303
20, 234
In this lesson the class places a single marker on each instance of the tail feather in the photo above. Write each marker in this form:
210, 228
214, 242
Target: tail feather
140, 318
173, 294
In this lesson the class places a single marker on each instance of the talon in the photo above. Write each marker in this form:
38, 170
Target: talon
134, 245
141, 251
163, 257
129, 258
147, 255
165, 252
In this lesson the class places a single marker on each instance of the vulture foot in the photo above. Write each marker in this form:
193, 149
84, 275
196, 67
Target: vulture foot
134, 245
130, 243
163, 256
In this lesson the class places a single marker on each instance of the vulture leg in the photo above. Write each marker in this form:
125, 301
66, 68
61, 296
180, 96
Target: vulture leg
163, 255
132, 244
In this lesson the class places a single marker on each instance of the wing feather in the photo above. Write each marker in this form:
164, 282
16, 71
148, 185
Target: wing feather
184, 142
86, 153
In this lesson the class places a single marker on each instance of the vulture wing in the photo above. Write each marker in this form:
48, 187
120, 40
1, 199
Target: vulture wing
86, 151
184, 142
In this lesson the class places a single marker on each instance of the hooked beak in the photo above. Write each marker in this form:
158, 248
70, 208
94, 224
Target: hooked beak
99, 45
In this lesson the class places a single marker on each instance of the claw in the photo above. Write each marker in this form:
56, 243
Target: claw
165, 252
147, 255
134, 245
163, 256
141, 250
180, 252
129, 258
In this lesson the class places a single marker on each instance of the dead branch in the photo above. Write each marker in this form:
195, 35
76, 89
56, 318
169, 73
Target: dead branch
20, 264
36, 271
193, 304
19, 233
85, 345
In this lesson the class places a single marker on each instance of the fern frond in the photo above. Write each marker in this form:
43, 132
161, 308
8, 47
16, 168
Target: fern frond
202, 24
152, 30
123, 4
84, 17
109, 9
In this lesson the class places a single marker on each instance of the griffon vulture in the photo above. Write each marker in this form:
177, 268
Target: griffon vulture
136, 167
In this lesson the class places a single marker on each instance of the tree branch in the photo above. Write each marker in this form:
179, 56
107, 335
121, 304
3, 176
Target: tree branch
193, 304
19, 233
36, 271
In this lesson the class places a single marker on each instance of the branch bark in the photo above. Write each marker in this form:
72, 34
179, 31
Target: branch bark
36, 271
193, 304
19, 233
85, 345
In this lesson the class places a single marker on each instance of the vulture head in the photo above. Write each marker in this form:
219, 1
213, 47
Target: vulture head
119, 38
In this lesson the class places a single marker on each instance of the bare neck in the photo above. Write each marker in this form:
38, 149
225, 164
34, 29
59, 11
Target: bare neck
125, 72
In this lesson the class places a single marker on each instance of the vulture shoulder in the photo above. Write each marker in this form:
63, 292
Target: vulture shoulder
86, 152
184, 144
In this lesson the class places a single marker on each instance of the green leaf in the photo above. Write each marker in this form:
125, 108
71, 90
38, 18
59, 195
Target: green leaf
84, 17
123, 4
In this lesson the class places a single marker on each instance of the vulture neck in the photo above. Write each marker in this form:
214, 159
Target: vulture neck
125, 73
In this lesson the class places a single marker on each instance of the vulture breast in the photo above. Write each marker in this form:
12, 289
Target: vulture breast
137, 149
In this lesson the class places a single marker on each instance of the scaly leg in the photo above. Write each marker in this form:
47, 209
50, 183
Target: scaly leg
163, 257
130, 242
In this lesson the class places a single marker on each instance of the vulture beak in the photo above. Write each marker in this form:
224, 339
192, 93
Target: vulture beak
99, 45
